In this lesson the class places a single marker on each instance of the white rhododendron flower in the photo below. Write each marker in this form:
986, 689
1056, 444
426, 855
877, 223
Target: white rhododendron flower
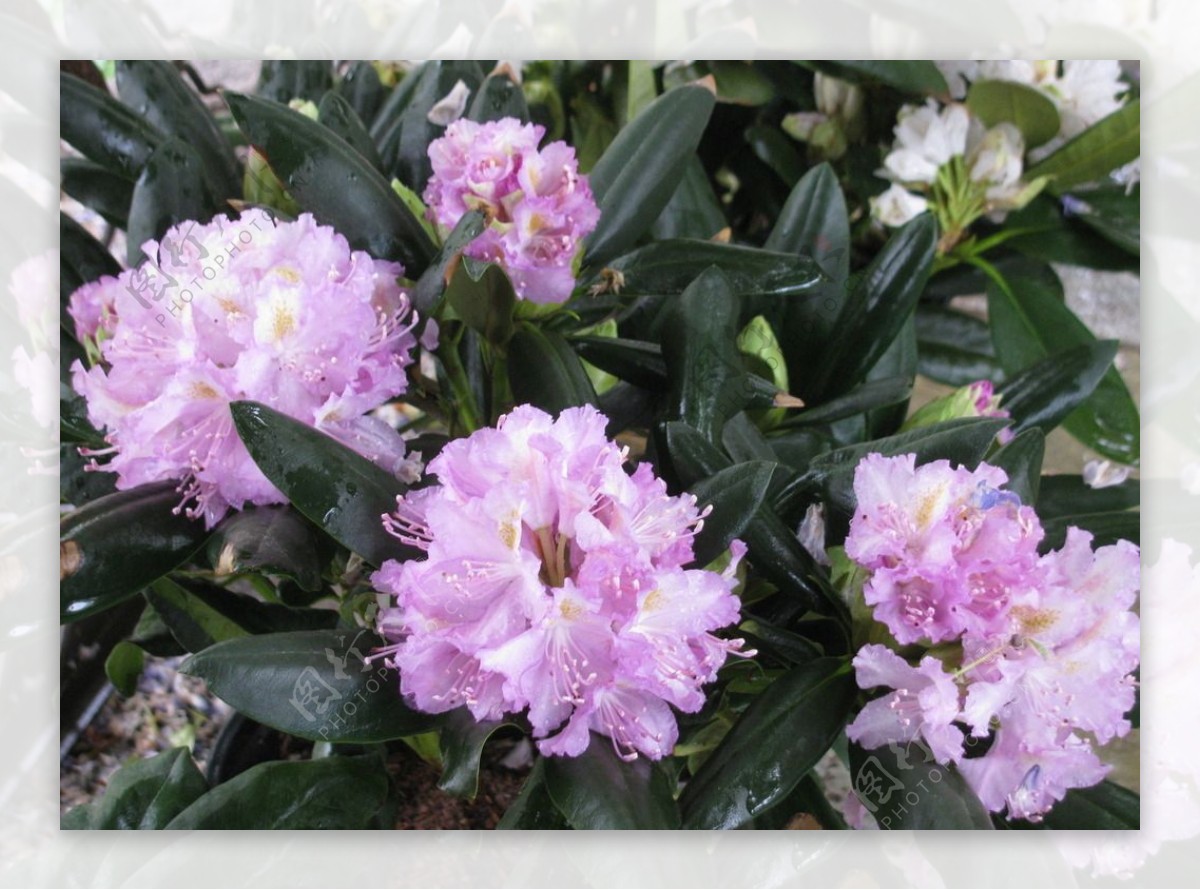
926, 138
1088, 91
897, 205
996, 161
946, 160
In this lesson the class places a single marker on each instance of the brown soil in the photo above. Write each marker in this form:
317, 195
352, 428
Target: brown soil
424, 806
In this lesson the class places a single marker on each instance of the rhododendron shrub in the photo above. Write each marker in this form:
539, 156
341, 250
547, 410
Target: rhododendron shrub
603, 443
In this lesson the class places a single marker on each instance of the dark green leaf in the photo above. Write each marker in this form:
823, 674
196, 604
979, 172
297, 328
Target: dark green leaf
866, 396
78, 485
1029, 322
75, 428
1063, 495
899, 362
707, 379
735, 494
339, 116
906, 76
283, 80
999, 101
362, 88
545, 371
313, 684
1022, 459
1042, 395
767, 638
199, 614
146, 794
807, 799
637, 361
154, 637
634, 88
774, 744
743, 441
693, 211
797, 447
533, 809
738, 82
333, 181
338, 489
599, 790
98, 188
116, 545
435, 81
499, 97
124, 666
484, 299
157, 92
592, 130
1106, 806
964, 441
878, 306
954, 348
956, 367
814, 223
668, 267
270, 540
775, 551
461, 741
1106, 528
332, 793
961, 441
692, 456
170, 190
1114, 212
777, 554
193, 622
908, 789
949, 327
103, 129
1097, 151
640, 170
1054, 235
81, 259
432, 284
386, 127
779, 152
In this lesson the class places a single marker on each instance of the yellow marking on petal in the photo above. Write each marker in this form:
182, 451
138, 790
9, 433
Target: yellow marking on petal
284, 322
654, 600
508, 534
570, 609
288, 274
201, 390
926, 506
1034, 621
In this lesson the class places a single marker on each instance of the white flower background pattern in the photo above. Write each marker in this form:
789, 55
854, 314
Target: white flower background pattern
1172, 584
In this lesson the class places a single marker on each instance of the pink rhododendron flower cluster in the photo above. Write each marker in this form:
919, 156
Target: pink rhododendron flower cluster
538, 205
281, 313
1048, 642
555, 581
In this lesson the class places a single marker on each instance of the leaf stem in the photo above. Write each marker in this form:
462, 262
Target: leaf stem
466, 410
